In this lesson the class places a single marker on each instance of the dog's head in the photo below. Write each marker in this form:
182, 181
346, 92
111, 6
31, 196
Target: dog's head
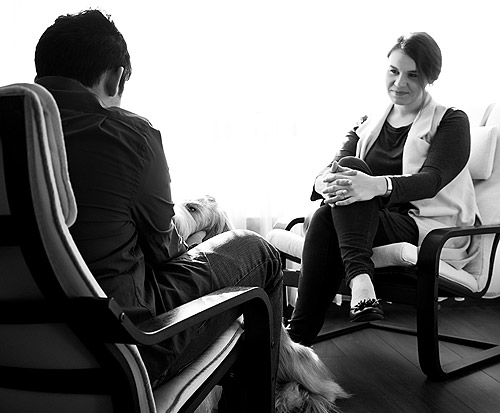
201, 214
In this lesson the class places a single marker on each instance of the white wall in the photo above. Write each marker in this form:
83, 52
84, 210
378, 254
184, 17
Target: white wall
229, 83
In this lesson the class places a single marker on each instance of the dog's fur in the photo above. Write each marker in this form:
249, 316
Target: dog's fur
201, 214
304, 383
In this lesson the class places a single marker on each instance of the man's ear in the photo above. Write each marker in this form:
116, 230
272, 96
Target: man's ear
112, 81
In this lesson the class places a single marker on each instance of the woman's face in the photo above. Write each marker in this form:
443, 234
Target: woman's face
403, 82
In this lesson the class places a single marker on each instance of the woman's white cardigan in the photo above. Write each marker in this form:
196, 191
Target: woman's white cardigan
453, 205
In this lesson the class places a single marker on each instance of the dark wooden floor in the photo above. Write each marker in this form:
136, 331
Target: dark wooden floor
381, 371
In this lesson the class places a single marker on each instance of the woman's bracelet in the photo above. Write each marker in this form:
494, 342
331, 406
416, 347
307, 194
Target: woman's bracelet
389, 186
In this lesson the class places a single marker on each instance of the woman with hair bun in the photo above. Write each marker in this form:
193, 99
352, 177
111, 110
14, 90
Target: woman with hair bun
400, 173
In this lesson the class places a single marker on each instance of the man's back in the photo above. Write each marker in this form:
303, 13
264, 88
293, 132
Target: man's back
121, 183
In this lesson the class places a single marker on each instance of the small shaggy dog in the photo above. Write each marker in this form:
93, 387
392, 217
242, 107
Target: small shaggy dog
304, 384
201, 214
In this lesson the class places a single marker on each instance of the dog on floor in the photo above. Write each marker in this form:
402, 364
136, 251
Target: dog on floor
304, 383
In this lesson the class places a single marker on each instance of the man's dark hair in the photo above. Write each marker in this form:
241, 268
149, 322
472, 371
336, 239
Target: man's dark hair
82, 46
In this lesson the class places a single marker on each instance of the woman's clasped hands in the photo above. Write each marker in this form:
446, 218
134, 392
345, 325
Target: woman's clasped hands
344, 186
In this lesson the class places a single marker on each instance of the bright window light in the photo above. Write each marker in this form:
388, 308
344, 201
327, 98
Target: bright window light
254, 97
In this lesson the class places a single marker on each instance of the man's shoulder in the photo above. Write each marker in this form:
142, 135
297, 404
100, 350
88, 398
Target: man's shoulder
136, 124
72, 97
130, 117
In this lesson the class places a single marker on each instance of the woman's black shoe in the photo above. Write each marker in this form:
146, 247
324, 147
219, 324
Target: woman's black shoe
366, 310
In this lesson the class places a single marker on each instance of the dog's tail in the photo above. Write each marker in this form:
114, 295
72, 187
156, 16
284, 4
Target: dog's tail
302, 377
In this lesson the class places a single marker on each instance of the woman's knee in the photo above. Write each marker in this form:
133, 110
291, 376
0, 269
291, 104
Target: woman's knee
320, 225
355, 163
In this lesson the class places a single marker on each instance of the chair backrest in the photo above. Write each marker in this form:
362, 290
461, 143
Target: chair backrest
46, 364
485, 170
485, 164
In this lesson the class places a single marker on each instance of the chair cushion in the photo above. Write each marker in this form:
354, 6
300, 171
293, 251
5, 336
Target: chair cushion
397, 254
491, 115
172, 395
141, 378
482, 154
400, 254
487, 196
286, 241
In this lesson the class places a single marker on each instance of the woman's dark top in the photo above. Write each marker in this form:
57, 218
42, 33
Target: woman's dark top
448, 155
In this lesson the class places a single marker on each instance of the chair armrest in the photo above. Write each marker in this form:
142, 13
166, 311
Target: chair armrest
287, 223
433, 243
106, 319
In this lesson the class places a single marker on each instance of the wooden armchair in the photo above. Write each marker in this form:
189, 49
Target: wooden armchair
64, 345
411, 275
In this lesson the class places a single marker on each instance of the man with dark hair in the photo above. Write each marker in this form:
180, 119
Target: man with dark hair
121, 181
72, 49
